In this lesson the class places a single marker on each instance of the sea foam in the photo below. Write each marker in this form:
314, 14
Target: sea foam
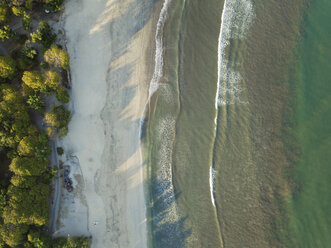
158, 67
211, 184
237, 15
236, 18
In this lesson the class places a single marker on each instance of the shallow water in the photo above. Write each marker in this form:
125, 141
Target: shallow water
310, 222
221, 136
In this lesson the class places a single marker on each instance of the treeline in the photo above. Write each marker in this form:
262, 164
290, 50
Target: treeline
31, 72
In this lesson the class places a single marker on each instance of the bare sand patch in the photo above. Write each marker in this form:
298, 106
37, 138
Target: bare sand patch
110, 43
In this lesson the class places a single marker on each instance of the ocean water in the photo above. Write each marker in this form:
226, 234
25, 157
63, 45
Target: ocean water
224, 132
310, 221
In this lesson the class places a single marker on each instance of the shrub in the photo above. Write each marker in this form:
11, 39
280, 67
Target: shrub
76, 242
62, 95
59, 150
6, 33
37, 103
58, 117
26, 21
53, 5
39, 239
28, 4
29, 52
63, 132
18, 11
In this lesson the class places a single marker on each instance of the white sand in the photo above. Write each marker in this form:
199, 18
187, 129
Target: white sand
110, 43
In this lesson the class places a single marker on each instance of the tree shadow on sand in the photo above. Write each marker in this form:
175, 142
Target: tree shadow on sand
168, 229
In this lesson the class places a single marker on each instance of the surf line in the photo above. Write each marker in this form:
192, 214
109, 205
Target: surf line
235, 20
220, 60
158, 70
158, 67
217, 98
154, 83
158, 64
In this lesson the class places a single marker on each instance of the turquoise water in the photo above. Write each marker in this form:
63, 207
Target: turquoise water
310, 224
238, 118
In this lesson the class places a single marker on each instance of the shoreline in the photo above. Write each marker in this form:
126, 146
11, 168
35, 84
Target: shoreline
107, 176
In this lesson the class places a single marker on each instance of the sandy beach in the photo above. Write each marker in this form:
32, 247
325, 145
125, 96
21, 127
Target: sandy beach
111, 46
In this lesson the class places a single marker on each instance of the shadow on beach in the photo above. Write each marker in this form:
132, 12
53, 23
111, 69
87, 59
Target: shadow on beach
168, 230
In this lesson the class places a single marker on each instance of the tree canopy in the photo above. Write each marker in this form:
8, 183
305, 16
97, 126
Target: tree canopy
58, 117
14, 118
6, 33
52, 80
33, 79
36, 102
57, 57
4, 12
44, 82
13, 235
7, 67
54, 5
26, 173
23, 181
27, 206
43, 35
18, 10
28, 166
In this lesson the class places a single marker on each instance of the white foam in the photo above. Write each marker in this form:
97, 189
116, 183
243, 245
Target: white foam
166, 125
236, 17
158, 67
211, 184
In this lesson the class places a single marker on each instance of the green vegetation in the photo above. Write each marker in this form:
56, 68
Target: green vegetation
59, 151
57, 119
53, 5
44, 82
26, 57
25, 83
33, 79
39, 239
7, 67
17, 10
43, 35
36, 102
14, 118
6, 33
28, 4
26, 21
57, 57
62, 95
4, 12
77, 242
